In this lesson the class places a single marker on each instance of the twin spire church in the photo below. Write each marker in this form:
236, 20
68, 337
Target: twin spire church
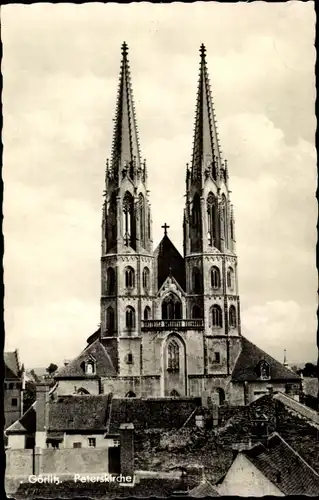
170, 324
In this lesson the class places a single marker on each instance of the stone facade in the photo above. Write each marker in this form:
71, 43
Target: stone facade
170, 324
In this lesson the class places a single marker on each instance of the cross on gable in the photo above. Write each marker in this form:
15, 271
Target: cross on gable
165, 227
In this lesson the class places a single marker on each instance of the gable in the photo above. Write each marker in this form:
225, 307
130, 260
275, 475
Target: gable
169, 261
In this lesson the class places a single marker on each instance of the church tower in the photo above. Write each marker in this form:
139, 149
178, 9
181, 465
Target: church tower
127, 261
209, 239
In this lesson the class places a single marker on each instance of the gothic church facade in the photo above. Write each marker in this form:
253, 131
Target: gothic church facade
170, 324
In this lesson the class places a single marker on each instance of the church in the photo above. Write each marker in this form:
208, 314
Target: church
170, 325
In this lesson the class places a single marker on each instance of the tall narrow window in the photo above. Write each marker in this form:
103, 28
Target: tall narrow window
230, 277
147, 313
110, 281
146, 278
217, 317
110, 323
215, 277
232, 228
196, 225
130, 318
212, 219
141, 206
129, 277
149, 223
232, 317
224, 217
129, 220
196, 312
173, 356
196, 280
111, 224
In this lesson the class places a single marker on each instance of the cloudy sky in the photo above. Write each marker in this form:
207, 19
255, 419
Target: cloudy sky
60, 69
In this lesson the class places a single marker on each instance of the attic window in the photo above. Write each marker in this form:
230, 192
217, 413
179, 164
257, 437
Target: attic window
264, 370
90, 368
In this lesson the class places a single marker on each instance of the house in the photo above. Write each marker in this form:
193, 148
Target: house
170, 324
271, 468
13, 387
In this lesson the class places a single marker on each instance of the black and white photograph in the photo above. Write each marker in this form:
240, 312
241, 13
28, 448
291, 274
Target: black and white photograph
159, 224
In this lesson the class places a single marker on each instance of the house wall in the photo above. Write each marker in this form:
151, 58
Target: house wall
101, 442
67, 387
16, 441
19, 462
60, 461
244, 479
75, 460
11, 412
259, 388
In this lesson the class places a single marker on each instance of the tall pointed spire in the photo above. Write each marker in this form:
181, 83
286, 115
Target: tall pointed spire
125, 149
206, 150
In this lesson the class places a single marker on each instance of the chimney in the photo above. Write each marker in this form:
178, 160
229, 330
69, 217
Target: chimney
42, 414
127, 451
270, 389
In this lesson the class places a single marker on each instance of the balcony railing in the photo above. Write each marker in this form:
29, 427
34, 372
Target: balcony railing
173, 324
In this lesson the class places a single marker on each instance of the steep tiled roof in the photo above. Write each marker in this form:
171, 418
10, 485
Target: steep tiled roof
169, 260
78, 413
11, 365
203, 490
104, 366
156, 413
250, 356
284, 467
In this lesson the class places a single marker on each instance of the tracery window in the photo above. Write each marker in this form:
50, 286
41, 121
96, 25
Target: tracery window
110, 320
217, 316
141, 205
230, 277
212, 218
146, 278
110, 281
173, 356
130, 317
196, 312
128, 220
171, 307
147, 313
232, 317
129, 277
196, 280
215, 277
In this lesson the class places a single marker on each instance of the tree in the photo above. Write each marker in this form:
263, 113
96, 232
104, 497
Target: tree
52, 368
310, 370
29, 395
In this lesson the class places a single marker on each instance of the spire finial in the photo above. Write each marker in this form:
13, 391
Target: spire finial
202, 51
124, 49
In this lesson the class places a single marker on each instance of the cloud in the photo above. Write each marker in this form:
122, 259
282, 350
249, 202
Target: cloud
278, 325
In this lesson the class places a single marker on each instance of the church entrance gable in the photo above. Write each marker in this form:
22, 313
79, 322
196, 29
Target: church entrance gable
174, 368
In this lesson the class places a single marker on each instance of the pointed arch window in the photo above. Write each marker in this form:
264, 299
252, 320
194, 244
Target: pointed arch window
110, 281
112, 221
232, 228
212, 218
128, 220
146, 278
141, 206
130, 318
149, 224
196, 212
196, 225
174, 393
147, 313
263, 370
232, 317
129, 277
217, 316
196, 312
230, 277
224, 219
171, 307
196, 280
110, 320
173, 356
215, 277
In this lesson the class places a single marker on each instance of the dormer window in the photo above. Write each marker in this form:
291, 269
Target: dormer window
90, 367
264, 370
